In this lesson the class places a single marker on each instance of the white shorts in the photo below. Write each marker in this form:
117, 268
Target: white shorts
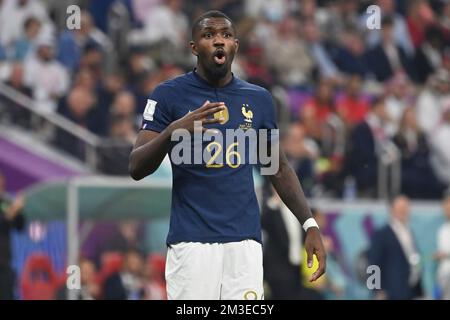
215, 271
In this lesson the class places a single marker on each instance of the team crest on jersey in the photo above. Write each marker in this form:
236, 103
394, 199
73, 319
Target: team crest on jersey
248, 116
149, 110
222, 114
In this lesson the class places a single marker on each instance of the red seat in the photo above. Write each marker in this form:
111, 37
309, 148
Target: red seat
38, 281
157, 263
156, 283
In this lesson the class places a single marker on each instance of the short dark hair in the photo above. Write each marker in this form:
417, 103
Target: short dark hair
210, 14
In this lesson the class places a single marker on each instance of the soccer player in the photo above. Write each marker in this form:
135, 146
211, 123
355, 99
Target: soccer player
214, 240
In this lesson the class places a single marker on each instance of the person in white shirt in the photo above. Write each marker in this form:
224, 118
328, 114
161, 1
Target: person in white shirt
443, 252
165, 22
440, 157
429, 102
48, 78
13, 14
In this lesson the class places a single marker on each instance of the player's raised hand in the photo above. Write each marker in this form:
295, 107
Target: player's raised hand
314, 246
201, 114
16, 206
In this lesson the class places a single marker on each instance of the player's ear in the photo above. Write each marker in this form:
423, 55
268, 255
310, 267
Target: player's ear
193, 48
236, 41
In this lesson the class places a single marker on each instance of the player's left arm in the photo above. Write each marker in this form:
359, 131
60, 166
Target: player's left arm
288, 187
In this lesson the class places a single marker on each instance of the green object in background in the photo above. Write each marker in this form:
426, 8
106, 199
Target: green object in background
100, 198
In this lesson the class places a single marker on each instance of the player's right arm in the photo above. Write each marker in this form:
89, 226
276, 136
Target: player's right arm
151, 147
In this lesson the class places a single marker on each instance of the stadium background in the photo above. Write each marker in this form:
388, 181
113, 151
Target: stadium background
71, 104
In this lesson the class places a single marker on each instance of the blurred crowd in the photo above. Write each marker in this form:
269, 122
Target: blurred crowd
392, 264
350, 99
126, 275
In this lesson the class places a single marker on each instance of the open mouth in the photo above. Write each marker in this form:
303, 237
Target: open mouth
219, 57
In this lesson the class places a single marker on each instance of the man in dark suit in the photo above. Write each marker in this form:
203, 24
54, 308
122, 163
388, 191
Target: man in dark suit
365, 140
282, 273
394, 250
282, 252
11, 218
388, 58
127, 284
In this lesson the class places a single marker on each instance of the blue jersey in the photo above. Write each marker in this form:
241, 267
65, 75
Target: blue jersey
212, 202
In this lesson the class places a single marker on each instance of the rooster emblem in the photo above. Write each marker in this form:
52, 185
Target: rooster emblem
248, 114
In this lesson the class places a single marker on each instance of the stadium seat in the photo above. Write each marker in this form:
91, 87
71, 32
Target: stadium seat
38, 280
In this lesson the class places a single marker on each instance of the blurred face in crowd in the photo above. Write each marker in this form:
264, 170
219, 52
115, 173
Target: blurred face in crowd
87, 271
421, 11
293, 142
409, 120
114, 82
215, 45
175, 5
354, 85
380, 111
400, 209
446, 206
85, 23
288, 28
354, 43
32, 27
307, 8
134, 263
80, 101
400, 86
349, 6
139, 63
325, 91
92, 59
45, 53
129, 230
85, 79
310, 31
124, 104
387, 6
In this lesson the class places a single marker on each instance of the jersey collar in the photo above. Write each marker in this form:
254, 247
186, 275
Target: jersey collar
207, 84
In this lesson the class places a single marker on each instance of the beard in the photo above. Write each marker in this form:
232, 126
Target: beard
217, 71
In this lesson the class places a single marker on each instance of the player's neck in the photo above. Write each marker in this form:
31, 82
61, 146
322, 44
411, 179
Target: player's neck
214, 81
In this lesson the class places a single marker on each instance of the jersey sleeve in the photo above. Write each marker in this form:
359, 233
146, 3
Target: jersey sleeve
268, 137
270, 117
157, 113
